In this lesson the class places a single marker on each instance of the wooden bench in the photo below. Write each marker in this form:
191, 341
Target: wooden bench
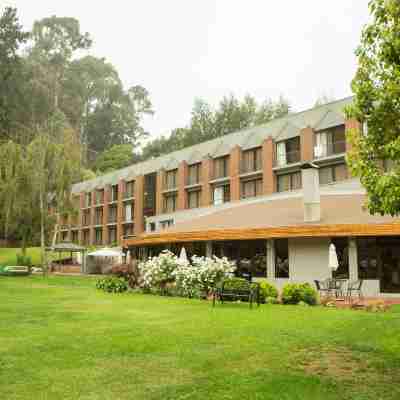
237, 289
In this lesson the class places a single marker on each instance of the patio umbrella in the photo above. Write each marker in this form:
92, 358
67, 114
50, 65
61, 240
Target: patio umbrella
333, 259
105, 253
183, 255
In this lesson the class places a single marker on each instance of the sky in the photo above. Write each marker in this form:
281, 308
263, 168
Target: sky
183, 49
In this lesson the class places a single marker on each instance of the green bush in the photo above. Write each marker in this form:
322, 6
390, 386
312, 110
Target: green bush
294, 293
112, 284
267, 292
236, 284
24, 260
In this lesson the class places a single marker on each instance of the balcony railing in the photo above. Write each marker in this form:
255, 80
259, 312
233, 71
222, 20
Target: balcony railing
290, 157
329, 149
170, 185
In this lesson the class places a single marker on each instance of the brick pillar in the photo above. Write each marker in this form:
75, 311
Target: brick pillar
307, 144
107, 196
80, 216
268, 151
159, 189
351, 125
234, 169
182, 181
120, 210
206, 176
92, 212
139, 193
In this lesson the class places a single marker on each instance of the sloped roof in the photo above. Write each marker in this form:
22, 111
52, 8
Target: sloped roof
280, 129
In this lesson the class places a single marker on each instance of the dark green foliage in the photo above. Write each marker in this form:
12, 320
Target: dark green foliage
112, 284
375, 153
24, 260
293, 293
236, 284
268, 292
116, 157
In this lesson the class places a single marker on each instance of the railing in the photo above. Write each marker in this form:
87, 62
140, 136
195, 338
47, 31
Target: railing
291, 157
170, 185
329, 149
245, 168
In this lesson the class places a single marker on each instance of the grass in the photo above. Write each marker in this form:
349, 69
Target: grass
8, 255
62, 339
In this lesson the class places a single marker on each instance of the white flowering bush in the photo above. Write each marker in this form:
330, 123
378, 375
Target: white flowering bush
158, 271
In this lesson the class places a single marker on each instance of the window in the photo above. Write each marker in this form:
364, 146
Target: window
332, 141
289, 182
167, 223
130, 189
288, 151
75, 237
86, 218
152, 226
114, 193
128, 212
99, 197
194, 199
368, 258
171, 179
251, 188
86, 237
98, 238
98, 217
170, 203
112, 235
342, 251
221, 167
334, 173
221, 194
281, 258
128, 230
64, 236
112, 214
88, 199
194, 174
251, 160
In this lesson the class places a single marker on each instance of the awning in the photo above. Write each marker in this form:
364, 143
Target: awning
106, 252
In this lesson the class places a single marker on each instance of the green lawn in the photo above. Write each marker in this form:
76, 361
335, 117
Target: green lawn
62, 339
8, 255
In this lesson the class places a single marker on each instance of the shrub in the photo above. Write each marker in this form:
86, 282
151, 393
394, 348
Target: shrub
24, 260
112, 284
293, 293
267, 291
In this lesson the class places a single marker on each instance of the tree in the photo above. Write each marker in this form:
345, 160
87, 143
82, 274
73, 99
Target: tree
118, 156
376, 86
11, 38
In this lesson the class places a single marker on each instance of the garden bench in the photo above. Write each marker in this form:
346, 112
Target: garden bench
237, 289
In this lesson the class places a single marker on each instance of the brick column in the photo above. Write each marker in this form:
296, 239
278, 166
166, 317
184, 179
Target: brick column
92, 212
159, 189
182, 181
307, 144
139, 193
234, 169
206, 176
107, 195
120, 210
80, 215
268, 151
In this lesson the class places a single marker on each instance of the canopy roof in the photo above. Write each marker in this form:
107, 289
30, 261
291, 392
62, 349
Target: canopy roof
67, 247
106, 252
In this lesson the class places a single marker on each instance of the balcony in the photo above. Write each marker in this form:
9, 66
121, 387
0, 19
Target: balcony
246, 168
290, 157
129, 194
329, 149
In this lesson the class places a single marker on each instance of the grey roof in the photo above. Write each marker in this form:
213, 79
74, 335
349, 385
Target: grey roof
318, 118
68, 247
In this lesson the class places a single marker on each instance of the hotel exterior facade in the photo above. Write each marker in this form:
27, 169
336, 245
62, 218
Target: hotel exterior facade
271, 197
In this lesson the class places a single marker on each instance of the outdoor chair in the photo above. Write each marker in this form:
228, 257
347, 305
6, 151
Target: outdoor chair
323, 287
237, 289
355, 287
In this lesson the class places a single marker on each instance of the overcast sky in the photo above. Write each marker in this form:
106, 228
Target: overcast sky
182, 49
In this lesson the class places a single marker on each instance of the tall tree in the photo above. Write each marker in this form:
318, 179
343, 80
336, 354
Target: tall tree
376, 86
118, 156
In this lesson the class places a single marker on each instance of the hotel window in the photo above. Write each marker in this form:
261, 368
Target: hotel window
171, 179
251, 188
112, 235
289, 182
334, 173
128, 212
86, 237
166, 224
329, 142
287, 151
98, 236
99, 197
112, 214
64, 236
194, 174
194, 198
75, 237
128, 230
281, 258
221, 167
98, 217
114, 193
221, 194
88, 199
251, 160
129, 189
170, 203
86, 218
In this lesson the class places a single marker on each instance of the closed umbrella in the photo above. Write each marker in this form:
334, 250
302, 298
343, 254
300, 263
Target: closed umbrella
183, 255
333, 259
128, 257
